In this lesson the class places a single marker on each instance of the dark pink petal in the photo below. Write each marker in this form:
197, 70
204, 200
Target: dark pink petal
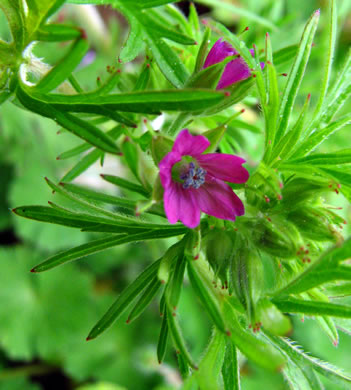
235, 71
190, 145
225, 167
166, 165
219, 51
180, 205
216, 198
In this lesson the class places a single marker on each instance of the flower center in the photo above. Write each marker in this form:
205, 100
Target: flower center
193, 177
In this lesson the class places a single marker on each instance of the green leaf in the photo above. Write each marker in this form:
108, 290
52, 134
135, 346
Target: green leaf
102, 244
324, 269
296, 353
89, 159
74, 151
163, 339
233, 9
286, 144
194, 18
143, 79
328, 56
205, 294
59, 216
99, 196
178, 338
296, 74
134, 44
313, 308
202, 53
77, 126
38, 12
57, 33
336, 97
124, 300
157, 25
319, 136
58, 74
175, 285
14, 12
85, 130
151, 3
336, 158
128, 185
146, 297
208, 77
207, 376
82, 165
167, 60
149, 102
271, 108
284, 55
231, 368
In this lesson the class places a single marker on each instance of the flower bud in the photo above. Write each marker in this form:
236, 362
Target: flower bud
275, 237
157, 192
300, 190
219, 251
160, 146
313, 223
193, 244
247, 280
272, 319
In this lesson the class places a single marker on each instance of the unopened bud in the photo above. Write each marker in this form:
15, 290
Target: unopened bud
313, 223
160, 146
276, 237
219, 252
272, 319
247, 279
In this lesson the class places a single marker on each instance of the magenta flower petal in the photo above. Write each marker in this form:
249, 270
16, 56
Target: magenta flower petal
197, 184
235, 71
219, 51
216, 198
191, 145
180, 205
225, 167
166, 165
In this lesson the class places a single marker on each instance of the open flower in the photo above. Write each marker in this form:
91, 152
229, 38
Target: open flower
195, 182
235, 71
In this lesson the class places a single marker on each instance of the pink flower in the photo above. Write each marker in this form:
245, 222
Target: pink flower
195, 182
235, 71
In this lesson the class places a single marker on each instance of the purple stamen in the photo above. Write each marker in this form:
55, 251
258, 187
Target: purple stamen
194, 177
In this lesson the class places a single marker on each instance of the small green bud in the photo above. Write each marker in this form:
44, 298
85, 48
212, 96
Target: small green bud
157, 192
193, 244
275, 237
247, 280
272, 319
219, 251
300, 190
160, 146
313, 223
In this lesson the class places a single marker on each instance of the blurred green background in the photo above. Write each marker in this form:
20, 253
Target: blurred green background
45, 318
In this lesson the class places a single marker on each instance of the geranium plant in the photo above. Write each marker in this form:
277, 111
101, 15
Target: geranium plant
230, 217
